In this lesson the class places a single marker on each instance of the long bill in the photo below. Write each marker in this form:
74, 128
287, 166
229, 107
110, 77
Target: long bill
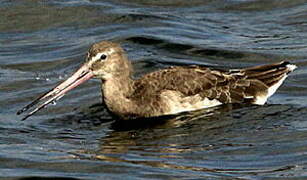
80, 76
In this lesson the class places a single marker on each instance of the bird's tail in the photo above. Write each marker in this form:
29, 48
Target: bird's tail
270, 74
265, 79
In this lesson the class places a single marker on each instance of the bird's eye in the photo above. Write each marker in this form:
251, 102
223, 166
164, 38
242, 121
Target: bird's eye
103, 57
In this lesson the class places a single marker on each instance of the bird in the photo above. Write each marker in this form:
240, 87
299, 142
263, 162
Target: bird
166, 91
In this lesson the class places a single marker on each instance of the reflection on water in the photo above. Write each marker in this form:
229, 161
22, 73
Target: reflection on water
209, 141
43, 42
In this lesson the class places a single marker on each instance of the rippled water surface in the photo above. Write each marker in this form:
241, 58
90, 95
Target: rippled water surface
43, 42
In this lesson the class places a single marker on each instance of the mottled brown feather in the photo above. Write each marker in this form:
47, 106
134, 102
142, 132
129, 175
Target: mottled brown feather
239, 86
171, 90
191, 81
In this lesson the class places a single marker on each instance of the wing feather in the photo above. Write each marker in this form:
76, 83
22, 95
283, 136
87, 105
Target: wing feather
194, 80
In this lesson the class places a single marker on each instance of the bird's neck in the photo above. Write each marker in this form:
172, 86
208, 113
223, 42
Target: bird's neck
116, 92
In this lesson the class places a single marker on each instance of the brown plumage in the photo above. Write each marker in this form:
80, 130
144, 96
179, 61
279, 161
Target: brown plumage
171, 90
234, 86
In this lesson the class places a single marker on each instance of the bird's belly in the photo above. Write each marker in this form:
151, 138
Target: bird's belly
176, 103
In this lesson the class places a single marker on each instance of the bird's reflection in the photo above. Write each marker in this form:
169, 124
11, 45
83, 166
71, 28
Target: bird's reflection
158, 134
159, 139
159, 142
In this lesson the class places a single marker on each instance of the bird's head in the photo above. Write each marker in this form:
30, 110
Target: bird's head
105, 60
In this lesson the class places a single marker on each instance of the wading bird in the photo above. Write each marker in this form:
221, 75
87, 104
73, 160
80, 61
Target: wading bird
167, 91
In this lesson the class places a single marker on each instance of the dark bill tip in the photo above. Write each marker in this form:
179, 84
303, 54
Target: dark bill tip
81, 75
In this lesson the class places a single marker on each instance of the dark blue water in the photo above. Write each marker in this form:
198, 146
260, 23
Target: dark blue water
43, 42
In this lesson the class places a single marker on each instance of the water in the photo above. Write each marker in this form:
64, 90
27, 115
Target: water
43, 42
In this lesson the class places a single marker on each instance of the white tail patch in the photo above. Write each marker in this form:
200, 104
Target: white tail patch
291, 67
271, 90
260, 100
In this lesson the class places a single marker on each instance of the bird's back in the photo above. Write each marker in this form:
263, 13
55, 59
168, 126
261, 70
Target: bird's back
195, 87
